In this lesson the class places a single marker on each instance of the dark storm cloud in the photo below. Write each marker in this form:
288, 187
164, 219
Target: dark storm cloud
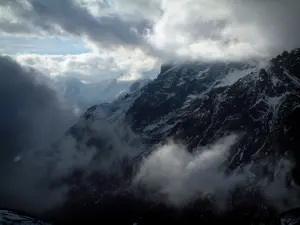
35, 151
276, 20
214, 29
31, 117
67, 16
16, 28
29, 109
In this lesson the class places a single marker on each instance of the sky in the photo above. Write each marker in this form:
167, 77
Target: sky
102, 39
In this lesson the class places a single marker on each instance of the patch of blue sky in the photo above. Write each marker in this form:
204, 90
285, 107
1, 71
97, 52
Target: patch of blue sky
15, 45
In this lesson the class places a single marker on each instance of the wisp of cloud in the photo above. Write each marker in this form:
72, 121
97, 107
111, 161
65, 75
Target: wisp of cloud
182, 177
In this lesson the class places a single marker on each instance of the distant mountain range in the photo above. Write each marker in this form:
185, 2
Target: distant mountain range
84, 94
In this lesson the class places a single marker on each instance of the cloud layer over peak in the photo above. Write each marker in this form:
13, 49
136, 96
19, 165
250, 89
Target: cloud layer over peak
133, 37
230, 29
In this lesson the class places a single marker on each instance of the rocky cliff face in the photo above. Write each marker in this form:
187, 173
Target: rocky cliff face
195, 103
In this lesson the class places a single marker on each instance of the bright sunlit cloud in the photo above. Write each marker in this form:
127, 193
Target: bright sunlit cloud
93, 67
145, 33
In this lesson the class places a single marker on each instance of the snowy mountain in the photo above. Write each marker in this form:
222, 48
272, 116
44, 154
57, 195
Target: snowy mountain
197, 104
85, 94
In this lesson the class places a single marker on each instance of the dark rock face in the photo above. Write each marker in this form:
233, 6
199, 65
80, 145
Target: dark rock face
291, 138
170, 90
199, 111
196, 103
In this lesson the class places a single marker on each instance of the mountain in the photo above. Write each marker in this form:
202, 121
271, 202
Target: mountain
195, 103
85, 94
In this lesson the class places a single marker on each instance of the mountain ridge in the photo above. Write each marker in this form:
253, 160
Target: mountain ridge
188, 104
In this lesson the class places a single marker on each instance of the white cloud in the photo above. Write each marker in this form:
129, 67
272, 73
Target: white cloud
172, 175
183, 176
137, 34
93, 67
230, 29
207, 30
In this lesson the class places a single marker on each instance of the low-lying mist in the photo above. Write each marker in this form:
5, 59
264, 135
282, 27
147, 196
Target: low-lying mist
177, 177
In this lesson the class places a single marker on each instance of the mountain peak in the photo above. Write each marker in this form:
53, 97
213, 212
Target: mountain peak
197, 104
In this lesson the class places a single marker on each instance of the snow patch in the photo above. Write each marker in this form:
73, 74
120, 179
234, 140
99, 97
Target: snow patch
273, 101
274, 81
181, 82
203, 72
233, 77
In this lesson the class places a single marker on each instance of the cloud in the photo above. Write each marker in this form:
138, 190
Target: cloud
226, 29
190, 29
10, 27
116, 40
60, 17
29, 100
183, 177
273, 23
35, 150
93, 67
133, 37
32, 117
40, 45
172, 175
276, 191
84, 66
139, 9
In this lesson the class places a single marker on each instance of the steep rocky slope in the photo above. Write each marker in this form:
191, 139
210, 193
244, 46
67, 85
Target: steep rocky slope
195, 103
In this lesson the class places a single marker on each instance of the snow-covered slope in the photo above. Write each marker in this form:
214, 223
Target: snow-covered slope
195, 103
